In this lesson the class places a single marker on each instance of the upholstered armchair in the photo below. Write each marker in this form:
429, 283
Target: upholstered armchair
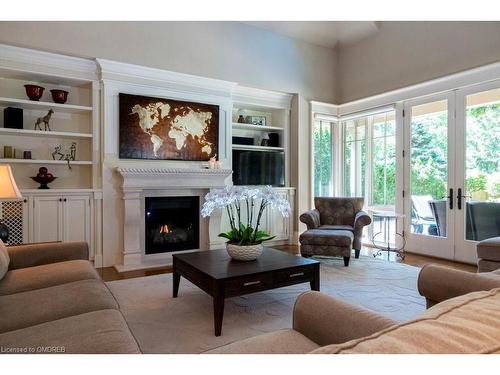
338, 214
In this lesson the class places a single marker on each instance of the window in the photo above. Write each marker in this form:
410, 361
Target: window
323, 158
369, 158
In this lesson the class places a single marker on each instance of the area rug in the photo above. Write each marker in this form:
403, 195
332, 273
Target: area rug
162, 324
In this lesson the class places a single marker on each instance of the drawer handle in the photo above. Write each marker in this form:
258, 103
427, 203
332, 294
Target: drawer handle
252, 283
297, 274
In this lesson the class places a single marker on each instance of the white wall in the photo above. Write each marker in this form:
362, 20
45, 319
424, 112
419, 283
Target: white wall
404, 53
224, 50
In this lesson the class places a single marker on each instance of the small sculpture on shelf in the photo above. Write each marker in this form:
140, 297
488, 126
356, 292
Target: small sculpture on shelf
43, 177
45, 120
70, 155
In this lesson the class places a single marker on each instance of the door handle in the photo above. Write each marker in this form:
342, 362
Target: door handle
450, 197
459, 198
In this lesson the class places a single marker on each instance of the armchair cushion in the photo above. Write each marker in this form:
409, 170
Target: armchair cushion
311, 219
489, 249
338, 211
337, 227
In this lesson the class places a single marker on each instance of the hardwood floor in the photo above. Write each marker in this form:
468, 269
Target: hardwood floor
110, 274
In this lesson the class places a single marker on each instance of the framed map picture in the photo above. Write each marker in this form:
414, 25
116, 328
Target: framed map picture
166, 129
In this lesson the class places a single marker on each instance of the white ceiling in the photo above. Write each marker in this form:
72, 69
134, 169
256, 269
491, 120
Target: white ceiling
323, 33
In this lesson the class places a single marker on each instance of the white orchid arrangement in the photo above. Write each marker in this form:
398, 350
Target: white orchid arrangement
235, 199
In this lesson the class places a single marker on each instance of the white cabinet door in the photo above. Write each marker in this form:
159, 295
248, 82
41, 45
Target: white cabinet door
47, 219
76, 218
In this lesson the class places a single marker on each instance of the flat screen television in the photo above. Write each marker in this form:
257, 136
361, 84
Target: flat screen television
259, 168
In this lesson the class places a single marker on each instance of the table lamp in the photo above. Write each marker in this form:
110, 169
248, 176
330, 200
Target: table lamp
8, 192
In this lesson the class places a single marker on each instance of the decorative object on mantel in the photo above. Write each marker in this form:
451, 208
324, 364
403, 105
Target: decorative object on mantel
43, 177
34, 92
59, 96
245, 238
8, 192
213, 163
166, 129
13, 118
69, 156
44, 120
241, 119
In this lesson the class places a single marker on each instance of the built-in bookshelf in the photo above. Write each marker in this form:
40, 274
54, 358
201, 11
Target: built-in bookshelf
261, 122
72, 123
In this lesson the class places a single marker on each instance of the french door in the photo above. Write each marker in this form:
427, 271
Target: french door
452, 171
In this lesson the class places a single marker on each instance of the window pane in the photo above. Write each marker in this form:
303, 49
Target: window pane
482, 171
429, 168
322, 159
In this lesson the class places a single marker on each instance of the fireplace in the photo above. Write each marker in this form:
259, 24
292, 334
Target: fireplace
172, 224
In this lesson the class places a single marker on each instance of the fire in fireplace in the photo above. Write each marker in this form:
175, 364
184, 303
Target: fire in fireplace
172, 224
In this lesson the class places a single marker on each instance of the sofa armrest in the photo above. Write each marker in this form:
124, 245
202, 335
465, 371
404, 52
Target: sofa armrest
326, 320
311, 219
361, 220
30, 255
438, 283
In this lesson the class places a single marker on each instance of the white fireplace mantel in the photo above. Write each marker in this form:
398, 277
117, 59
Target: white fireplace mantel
139, 183
165, 178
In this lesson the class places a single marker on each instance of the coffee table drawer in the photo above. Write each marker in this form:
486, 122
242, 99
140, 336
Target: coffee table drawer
248, 284
293, 275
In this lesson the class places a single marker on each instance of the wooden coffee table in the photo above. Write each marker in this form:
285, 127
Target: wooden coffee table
221, 277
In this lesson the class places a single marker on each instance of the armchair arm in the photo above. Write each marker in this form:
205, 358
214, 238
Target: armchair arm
31, 255
361, 219
438, 283
311, 219
326, 320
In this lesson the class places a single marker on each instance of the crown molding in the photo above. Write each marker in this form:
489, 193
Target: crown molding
261, 98
46, 63
141, 75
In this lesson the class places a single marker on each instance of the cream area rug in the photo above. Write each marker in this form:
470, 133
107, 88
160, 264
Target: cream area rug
162, 324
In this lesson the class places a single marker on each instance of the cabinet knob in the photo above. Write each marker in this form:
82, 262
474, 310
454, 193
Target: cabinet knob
65, 199
60, 199
25, 200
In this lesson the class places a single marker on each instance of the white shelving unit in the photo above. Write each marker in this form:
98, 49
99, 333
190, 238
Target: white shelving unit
257, 148
31, 104
43, 134
71, 210
242, 126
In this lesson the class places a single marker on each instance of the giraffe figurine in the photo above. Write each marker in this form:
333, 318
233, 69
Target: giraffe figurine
44, 120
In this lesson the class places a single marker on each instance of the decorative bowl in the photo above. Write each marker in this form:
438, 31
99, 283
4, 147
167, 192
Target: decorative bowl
34, 92
59, 96
43, 181
244, 253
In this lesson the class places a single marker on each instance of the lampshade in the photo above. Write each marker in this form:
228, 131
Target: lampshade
8, 187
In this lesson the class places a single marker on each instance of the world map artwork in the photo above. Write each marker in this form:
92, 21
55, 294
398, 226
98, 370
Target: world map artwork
166, 129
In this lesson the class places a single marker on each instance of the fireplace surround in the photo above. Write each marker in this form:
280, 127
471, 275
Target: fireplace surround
138, 184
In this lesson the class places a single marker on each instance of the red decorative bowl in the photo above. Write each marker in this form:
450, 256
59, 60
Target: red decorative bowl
59, 96
34, 92
43, 181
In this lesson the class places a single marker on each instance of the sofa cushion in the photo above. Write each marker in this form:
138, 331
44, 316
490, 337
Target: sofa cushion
103, 331
489, 249
43, 276
339, 238
465, 324
33, 307
279, 342
484, 265
4, 260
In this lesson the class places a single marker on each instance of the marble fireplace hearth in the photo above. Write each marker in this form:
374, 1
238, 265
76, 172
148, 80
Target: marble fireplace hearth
139, 183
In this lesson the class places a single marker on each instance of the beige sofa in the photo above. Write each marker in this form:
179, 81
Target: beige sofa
464, 318
52, 300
